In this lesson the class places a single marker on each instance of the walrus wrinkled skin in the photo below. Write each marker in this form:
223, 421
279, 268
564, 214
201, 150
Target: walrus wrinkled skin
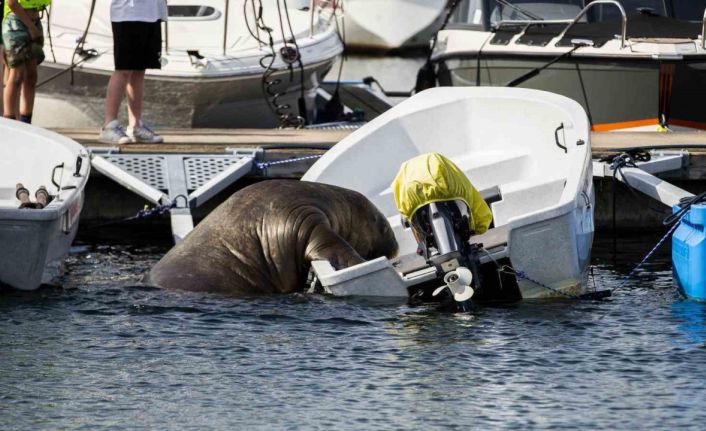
264, 237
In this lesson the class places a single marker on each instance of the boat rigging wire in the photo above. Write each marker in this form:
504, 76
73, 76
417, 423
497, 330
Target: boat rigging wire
302, 100
51, 43
85, 54
536, 71
82, 41
289, 55
426, 76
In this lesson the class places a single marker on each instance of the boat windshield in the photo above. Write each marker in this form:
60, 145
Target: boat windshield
690, 10
484, 12
504, 10
606, 12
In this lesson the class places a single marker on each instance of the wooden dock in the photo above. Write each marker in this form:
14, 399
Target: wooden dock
217, 140
107, 201
200, 141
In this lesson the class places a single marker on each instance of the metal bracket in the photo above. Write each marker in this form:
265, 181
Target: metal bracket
642, 178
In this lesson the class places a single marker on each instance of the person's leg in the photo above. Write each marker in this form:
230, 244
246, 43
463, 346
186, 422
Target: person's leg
137, 130
13, 88
29, 84
115, 94
3, 74
135, 94
145, 56
111, 132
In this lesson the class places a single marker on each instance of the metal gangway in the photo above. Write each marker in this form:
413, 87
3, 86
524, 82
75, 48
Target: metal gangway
179, 182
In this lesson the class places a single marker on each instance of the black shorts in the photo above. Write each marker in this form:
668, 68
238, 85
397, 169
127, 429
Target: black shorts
137, 45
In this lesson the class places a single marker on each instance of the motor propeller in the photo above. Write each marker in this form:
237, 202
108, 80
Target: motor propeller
458, 282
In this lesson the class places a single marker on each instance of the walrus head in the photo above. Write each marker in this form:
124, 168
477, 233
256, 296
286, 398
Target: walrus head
372, 236
351, 231
385, 243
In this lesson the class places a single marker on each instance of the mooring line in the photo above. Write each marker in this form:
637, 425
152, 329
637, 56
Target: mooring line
649, 254
265, 165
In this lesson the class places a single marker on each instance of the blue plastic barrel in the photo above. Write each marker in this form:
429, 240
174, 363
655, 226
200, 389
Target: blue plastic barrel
689, 253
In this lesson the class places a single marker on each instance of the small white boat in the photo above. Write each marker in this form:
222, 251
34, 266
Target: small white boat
34, 242
216, 60
527, 152
391, 24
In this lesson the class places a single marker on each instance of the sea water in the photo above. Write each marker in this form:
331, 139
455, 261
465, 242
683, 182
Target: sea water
104, 351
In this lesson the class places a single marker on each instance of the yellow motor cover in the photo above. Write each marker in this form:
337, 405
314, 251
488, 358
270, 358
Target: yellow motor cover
432, 178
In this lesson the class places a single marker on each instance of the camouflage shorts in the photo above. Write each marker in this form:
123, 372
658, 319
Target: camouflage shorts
19, 46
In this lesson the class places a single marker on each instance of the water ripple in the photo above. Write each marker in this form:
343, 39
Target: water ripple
105, 351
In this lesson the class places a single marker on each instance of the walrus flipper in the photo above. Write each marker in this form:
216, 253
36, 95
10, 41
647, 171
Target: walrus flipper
325, 244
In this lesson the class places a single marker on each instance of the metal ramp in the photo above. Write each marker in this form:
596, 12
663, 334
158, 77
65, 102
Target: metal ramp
643, 179
180, 181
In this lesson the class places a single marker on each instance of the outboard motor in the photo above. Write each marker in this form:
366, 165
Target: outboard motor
444, 210
442, 231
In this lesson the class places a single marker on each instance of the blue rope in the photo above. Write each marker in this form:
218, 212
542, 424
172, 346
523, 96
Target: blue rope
148, 212
265, 165
649, 254
523, 276
157, 210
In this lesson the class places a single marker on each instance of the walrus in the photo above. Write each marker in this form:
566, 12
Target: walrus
263, 238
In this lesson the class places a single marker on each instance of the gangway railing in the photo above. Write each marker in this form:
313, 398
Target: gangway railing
703, 31
571, 22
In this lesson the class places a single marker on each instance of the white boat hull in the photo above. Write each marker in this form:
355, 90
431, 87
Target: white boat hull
33, 252
528, 150
391, 24
213, 70
235, 101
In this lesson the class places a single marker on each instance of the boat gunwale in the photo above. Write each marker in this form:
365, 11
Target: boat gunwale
68, 197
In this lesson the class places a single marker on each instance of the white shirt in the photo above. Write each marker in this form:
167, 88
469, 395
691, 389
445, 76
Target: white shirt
138, 10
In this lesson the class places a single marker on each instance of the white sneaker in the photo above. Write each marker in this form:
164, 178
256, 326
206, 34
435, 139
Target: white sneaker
113, 133
142, 133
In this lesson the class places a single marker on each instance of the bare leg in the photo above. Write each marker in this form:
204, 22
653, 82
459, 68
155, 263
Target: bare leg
29, 84
11, 95
2, 67
135, 93
116, 93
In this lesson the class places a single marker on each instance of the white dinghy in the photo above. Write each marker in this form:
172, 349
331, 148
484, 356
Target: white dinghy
34, 241
526, 151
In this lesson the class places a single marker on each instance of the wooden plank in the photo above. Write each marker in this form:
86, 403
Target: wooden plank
616, 141
209, 140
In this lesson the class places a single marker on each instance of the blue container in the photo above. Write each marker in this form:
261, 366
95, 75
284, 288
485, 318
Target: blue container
689, 253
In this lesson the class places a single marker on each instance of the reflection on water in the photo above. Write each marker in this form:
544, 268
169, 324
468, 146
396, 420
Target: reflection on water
104, 351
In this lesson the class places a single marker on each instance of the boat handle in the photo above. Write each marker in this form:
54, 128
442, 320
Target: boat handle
556, 137
587, 199
53, 175
79, 163
584, 11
